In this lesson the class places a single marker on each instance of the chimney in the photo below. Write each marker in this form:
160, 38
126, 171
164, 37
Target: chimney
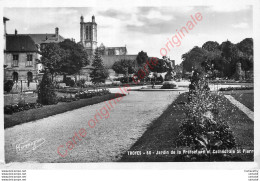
57, 33
15, 32
82, 19
93, 19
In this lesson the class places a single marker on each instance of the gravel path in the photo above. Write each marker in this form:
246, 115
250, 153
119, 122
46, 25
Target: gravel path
109, 139
243, 108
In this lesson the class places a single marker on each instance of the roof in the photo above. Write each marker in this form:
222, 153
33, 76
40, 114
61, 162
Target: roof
20, 43
45, 38
5, 19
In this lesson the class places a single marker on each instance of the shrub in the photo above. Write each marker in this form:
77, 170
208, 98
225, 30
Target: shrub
8, 85
81, 82
168, 86
236, 88
160, 79
10, 109
69, 82
46, 92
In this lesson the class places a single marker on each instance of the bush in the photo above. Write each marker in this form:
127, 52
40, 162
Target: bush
168, 86
81, 83
10, 109
69, 82
160, 79
46, 92
236, 88
8, 85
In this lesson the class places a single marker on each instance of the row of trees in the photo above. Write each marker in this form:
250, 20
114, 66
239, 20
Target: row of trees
126, 67
68, 58
220, 59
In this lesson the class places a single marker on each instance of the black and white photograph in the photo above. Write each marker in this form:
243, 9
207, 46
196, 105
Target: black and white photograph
129, 83
139, 84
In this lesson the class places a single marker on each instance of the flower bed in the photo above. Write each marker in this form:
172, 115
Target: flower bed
50, 110
10, 109
83, 95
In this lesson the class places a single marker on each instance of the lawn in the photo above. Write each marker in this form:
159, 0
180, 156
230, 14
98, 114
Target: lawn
245, 97
49, 110
161, 135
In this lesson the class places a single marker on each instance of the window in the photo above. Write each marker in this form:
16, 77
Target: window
15, 77
29, 60
15, 60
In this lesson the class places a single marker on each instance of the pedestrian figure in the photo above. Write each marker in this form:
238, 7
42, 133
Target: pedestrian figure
153, 85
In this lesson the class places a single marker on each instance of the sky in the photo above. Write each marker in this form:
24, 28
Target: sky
140, 28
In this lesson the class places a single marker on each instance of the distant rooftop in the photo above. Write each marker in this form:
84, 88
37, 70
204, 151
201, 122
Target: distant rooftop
20, 43
45, 38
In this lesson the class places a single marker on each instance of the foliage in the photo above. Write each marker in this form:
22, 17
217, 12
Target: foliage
46, 91
81, 82
124, 67
69, 82
236, 88
204, 128
210, 46
90, 94
75, 57
160, 67
193, 59
141, 58
220, 60
8, 85
99, 73
10, 109
168, 86
52, 57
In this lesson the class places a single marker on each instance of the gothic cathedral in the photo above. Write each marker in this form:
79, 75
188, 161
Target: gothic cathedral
88, 34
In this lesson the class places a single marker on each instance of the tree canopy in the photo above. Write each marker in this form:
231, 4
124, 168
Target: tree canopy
75, 57
52, 57
141, 58
66, 57
220, 57
123, 66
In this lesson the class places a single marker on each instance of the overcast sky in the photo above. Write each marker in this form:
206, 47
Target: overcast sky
139, 28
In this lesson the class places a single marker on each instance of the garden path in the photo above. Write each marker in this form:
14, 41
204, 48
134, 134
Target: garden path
106, 142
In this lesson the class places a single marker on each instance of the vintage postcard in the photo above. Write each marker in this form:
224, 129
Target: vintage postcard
130, 83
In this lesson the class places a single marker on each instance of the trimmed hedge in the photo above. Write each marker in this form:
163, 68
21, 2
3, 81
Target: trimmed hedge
236, 88
50, 110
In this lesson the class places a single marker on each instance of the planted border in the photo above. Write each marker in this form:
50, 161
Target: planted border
50, 110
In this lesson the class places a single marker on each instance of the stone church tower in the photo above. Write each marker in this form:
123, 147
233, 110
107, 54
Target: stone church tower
88, 34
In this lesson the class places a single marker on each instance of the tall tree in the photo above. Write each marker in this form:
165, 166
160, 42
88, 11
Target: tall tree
124, 67
141, 58
98, 73
52, 56
160, 67
76, 57
192, 60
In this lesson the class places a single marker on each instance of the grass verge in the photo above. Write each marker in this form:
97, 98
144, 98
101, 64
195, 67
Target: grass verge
247, 99
162, 133
50, 110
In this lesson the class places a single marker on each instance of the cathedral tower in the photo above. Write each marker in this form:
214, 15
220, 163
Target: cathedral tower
88, 34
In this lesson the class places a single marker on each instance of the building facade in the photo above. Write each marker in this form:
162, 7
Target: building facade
21, 58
